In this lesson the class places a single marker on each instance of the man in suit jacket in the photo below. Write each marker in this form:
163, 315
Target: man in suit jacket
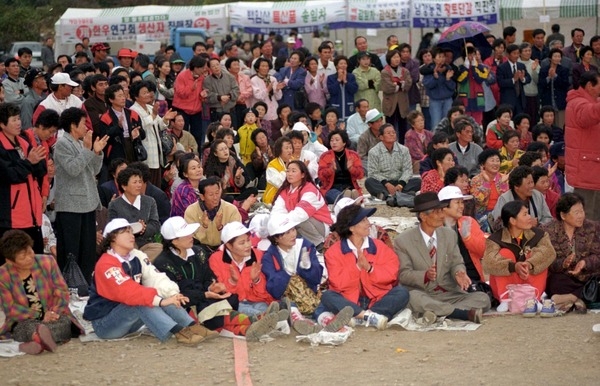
512, 76
432, 268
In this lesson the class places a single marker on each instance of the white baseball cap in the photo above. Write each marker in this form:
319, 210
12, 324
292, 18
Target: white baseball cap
119, 223
258, 226
176, 227
299, 126
280, 224
63, 78
373, 115
344, 202
233, 230
452, 192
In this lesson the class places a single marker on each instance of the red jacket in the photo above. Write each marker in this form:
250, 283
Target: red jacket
327, 166
220, 263
475, 243
31, 138
20, 181
351, 282
187, 98
582, 136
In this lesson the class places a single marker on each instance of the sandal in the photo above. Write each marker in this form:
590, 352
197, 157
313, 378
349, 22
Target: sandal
43, 336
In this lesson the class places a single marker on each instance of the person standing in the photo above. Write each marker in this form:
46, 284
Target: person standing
189, 95
22, 168
48, 53
512, 76
78, 161
581, 138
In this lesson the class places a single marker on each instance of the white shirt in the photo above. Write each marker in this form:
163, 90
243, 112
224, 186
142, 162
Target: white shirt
354, 250
137, 203
426, 238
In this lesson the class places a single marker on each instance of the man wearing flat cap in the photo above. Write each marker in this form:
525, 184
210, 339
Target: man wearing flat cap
432, 268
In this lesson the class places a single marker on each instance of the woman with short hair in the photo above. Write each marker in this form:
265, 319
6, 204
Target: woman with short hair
576, 241
519, 254
33, 296
128, 292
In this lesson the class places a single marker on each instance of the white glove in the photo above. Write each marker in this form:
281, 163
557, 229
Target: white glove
304, 259
465, 229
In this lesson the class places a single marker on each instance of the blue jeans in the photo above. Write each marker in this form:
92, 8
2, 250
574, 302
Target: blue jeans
427, 115
389, 305
124, 319
438, 109
252, 308
332, 194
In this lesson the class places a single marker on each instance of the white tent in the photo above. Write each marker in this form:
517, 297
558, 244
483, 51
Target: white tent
569, 14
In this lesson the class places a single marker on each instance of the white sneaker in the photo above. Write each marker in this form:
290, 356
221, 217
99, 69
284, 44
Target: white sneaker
596, 328
376, 320
502, 307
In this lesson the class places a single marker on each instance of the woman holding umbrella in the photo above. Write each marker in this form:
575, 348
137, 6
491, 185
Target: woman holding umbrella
471, 76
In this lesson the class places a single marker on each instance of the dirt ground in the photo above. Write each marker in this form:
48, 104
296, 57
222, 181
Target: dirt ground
505, 350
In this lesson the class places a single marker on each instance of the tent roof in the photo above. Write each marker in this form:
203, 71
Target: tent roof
532, 9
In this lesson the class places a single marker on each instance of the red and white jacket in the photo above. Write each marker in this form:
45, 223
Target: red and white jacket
301, 204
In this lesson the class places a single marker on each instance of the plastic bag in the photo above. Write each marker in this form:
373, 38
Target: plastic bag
74, 277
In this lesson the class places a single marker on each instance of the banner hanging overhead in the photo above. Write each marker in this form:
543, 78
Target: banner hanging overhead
444, 13
378, 14
133, 23
305, 16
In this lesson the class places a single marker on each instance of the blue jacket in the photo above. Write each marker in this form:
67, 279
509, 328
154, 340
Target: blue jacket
295, 83
440, 88
341, 96
278, 278
553, 92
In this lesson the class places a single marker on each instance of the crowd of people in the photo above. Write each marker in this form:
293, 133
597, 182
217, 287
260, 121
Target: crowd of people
154, 177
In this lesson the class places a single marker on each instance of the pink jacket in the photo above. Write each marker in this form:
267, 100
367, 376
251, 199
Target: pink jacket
300, 205
186, 97
245, 86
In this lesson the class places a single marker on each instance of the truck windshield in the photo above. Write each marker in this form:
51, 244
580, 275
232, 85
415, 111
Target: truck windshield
188, 39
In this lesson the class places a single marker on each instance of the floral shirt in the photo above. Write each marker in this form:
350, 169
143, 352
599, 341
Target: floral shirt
32, 296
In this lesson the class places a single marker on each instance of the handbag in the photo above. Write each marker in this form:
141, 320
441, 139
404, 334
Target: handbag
166, 140
139, 150
300, 293
518, 295
74, 277
300, 98
591, 290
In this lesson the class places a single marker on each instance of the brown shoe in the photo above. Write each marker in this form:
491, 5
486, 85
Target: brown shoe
43, 336
31, 348
204, 332
186, 336
475, 315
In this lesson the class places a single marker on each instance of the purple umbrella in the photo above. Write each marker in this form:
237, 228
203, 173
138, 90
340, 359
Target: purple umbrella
466, 31
463, 30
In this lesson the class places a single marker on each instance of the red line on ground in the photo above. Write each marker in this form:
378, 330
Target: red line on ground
240, 359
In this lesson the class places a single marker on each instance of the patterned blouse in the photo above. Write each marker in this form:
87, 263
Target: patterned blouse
585, 244
480, 189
